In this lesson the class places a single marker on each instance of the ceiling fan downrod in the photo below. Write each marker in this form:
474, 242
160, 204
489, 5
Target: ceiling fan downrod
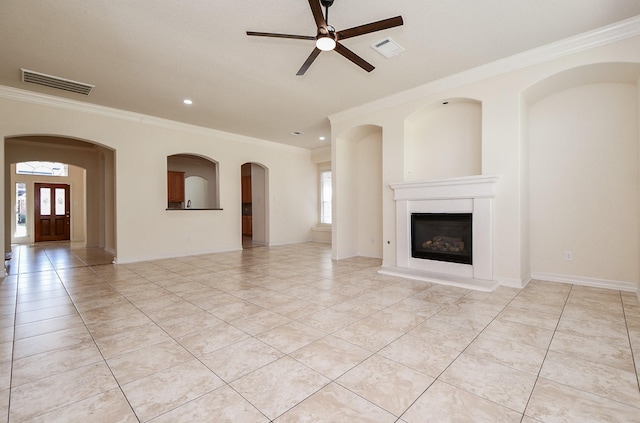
327, 4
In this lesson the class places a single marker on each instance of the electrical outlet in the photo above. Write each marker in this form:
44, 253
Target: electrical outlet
568, 255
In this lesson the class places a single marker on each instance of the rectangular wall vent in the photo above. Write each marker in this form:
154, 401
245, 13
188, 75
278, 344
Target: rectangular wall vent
388, 48
56, 82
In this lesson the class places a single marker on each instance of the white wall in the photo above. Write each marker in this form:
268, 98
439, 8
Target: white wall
369, 192
444, 141
583, 157
145, 229
357, 208
344, 228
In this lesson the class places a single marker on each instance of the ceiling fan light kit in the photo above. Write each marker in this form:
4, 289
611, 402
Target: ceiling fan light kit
326, 43
328, 38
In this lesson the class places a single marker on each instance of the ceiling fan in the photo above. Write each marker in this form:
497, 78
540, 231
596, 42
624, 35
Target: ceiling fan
328, 38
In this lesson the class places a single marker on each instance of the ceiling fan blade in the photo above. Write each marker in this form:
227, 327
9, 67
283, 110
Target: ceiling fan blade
370, 27
354, 57
274, 35
316, 51
317, 13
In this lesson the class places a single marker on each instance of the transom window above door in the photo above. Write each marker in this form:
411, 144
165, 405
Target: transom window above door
42, 168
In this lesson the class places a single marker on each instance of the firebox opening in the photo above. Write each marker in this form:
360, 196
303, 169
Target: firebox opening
442, 237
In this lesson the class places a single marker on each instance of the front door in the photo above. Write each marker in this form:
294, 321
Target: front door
51, 212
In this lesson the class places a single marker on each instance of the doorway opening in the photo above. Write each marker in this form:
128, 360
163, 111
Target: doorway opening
254, 207
84, 203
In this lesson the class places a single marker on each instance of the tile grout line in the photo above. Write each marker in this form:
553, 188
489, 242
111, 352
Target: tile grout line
13, 343
538, 377
227, 384
332, 380
85, 265
633, 355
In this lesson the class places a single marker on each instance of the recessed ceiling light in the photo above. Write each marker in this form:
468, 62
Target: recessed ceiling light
187, 101
322, 138
297, 133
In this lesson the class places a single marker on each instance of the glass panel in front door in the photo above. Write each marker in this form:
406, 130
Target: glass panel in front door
60, 202
45, 201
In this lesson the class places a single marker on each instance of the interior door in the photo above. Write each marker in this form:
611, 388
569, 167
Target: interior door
51, 212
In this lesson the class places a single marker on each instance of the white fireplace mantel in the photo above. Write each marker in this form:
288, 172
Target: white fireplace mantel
464, 187
471, 194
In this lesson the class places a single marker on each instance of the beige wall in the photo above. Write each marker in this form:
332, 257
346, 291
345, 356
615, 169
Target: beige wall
141, 144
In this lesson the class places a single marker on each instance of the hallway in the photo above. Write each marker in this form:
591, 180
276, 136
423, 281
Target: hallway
47, 256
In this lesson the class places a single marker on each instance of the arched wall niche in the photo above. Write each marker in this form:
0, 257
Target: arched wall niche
99, 164
444, 140
611, 72
357, 187
582, 142
199, 171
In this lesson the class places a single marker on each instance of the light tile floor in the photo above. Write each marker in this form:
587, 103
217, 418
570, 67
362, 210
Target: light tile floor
285, 334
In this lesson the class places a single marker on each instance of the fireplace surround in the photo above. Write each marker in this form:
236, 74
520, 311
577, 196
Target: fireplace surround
472, 195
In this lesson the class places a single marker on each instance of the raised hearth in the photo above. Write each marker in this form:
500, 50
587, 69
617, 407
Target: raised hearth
455, 196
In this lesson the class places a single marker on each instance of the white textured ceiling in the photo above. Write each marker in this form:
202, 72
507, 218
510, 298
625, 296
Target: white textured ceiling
145, 56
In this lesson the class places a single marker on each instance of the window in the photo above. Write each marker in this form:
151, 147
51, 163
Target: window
325, 197
42, 168
21, 210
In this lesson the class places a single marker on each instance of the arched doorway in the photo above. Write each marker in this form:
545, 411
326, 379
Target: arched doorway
95, 162
255, 210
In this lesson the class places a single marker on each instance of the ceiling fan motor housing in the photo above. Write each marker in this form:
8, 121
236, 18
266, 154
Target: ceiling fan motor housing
326, 3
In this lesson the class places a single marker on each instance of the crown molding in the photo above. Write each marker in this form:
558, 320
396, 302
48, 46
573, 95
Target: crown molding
25, 96
609, 34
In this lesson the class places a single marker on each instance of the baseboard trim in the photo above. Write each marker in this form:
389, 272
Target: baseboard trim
138, 259
515, 283
592, 282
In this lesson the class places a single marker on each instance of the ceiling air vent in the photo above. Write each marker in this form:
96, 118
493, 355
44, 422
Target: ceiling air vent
56, 82
388, 48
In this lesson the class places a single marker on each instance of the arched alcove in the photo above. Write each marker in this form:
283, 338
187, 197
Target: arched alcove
444, 140
582, 139
98, 165
357, 226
